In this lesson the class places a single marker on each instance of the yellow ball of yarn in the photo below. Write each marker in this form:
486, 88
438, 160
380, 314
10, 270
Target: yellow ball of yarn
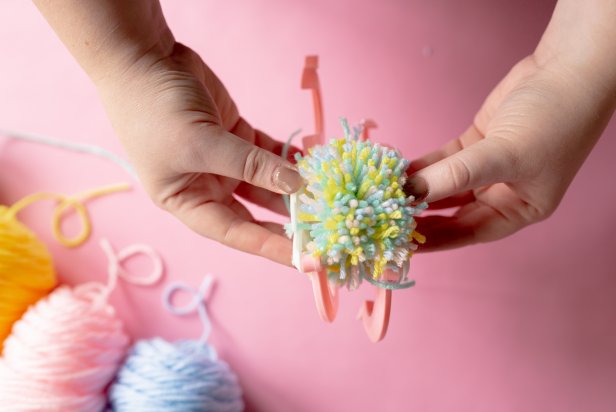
26, 267
26, 270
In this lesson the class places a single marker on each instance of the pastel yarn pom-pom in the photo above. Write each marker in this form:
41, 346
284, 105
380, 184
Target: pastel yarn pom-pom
62, 354
181, 376
353, 213
26, 270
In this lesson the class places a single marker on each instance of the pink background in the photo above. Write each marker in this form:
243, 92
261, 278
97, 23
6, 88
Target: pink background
527, 323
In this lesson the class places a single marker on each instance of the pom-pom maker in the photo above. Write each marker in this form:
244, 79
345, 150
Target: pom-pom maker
374, 314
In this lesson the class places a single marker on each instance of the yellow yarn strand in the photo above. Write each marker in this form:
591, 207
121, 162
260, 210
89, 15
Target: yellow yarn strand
26, 267
64, 204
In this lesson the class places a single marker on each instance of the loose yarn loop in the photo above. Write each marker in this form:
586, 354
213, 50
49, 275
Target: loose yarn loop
67, 347
182, 376
64, 203
26, 267
198, 297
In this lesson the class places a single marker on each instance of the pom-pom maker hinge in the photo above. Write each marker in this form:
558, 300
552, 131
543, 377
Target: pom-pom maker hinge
373, 314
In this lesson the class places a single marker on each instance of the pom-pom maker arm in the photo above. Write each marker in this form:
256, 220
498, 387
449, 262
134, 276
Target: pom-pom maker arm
310, 81
374, 314
325, 297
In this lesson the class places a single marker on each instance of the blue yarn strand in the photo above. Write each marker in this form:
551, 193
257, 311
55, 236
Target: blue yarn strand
198, 297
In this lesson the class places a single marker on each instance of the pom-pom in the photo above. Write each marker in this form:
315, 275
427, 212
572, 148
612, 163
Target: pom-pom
353, 214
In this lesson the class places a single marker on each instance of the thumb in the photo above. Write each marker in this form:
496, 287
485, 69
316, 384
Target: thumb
486, 162
226, 154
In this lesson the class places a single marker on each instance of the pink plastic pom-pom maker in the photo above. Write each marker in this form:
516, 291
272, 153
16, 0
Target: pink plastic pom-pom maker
374, 314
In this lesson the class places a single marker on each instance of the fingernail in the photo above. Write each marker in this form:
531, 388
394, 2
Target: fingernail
417, 187
287, 179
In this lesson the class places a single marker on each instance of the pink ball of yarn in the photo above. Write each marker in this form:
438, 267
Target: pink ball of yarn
63, 353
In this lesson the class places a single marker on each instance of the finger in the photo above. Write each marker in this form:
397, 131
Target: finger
244, 130
483, 163
453, 201
470, 136
483, 224
275, 146
443, 232
261, 197
494, 216
222, 224
245, 214
448, 149
223, 153
241, 210
273, 227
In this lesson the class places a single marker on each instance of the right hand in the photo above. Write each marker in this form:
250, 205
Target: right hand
512, 166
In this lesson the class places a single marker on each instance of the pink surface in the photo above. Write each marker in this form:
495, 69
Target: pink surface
522, 324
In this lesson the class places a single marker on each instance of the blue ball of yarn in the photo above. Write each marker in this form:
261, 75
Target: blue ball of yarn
182, 376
